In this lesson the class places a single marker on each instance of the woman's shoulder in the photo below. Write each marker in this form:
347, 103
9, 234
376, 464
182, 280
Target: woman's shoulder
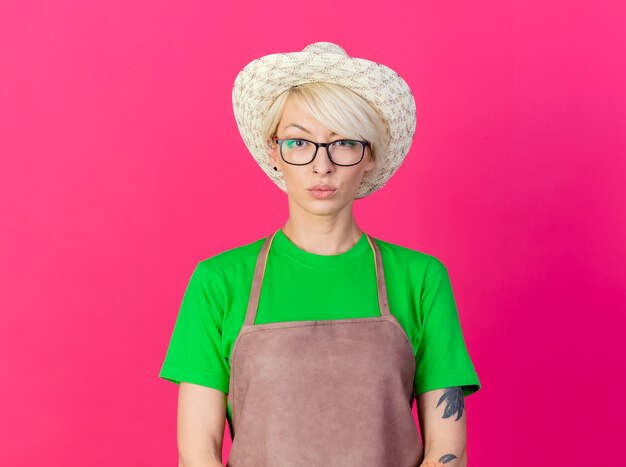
415, 260
232, 259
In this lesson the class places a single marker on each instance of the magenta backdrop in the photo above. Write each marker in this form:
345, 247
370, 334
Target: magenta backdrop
122, 167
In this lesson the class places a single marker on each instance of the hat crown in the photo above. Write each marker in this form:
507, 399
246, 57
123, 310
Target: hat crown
325, 48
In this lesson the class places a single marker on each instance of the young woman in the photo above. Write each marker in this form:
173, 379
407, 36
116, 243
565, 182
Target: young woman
320, 335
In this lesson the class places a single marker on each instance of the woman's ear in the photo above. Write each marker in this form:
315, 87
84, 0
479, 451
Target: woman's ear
272, 152
370, 162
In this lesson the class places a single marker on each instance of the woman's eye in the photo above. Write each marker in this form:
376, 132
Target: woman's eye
345, 143
295, 143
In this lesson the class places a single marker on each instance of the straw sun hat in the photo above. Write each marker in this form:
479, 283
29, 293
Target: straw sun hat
263, 79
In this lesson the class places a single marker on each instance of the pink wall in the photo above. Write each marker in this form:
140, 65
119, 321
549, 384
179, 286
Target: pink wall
122, 167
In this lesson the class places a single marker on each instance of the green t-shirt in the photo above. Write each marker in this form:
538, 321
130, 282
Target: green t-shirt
298, 286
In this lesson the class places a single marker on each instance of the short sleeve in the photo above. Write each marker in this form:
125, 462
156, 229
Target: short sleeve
193, 354
442, 359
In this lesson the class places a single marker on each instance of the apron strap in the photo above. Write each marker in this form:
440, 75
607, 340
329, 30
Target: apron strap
259, 271
257, 281
380, 278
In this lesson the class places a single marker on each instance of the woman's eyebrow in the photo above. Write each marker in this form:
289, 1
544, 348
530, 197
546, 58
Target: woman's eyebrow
300, 127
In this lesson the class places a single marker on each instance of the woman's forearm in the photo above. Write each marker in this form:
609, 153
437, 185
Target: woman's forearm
440, 459
443, 426
200, 462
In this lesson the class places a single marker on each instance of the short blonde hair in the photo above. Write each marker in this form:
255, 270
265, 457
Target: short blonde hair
338, 108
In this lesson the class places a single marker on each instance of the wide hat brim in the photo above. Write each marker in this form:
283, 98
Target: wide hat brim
262, 80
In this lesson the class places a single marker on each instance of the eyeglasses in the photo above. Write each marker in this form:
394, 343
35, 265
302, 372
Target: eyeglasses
343, 152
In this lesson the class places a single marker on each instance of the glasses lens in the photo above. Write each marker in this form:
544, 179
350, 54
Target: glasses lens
298, 151
346, 151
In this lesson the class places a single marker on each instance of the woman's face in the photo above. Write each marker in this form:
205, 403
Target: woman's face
339, 184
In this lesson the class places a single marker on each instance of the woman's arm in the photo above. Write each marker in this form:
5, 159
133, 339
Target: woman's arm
443, 425
200, 425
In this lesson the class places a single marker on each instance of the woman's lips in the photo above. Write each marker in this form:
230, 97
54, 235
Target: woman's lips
322, 193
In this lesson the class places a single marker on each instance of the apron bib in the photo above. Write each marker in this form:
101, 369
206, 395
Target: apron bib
323, 393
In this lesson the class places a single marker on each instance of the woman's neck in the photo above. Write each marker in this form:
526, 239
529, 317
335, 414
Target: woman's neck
323, 235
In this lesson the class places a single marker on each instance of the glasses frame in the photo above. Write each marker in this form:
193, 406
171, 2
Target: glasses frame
321, 145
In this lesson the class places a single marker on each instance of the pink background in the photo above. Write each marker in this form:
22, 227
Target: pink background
122, 167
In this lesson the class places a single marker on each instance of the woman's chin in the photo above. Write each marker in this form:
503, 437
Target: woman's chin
322, 207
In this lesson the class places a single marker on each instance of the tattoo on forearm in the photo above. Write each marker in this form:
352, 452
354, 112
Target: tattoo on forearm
455, 402
447, 458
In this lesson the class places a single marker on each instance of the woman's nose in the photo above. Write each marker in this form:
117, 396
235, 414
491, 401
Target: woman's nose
322, 163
